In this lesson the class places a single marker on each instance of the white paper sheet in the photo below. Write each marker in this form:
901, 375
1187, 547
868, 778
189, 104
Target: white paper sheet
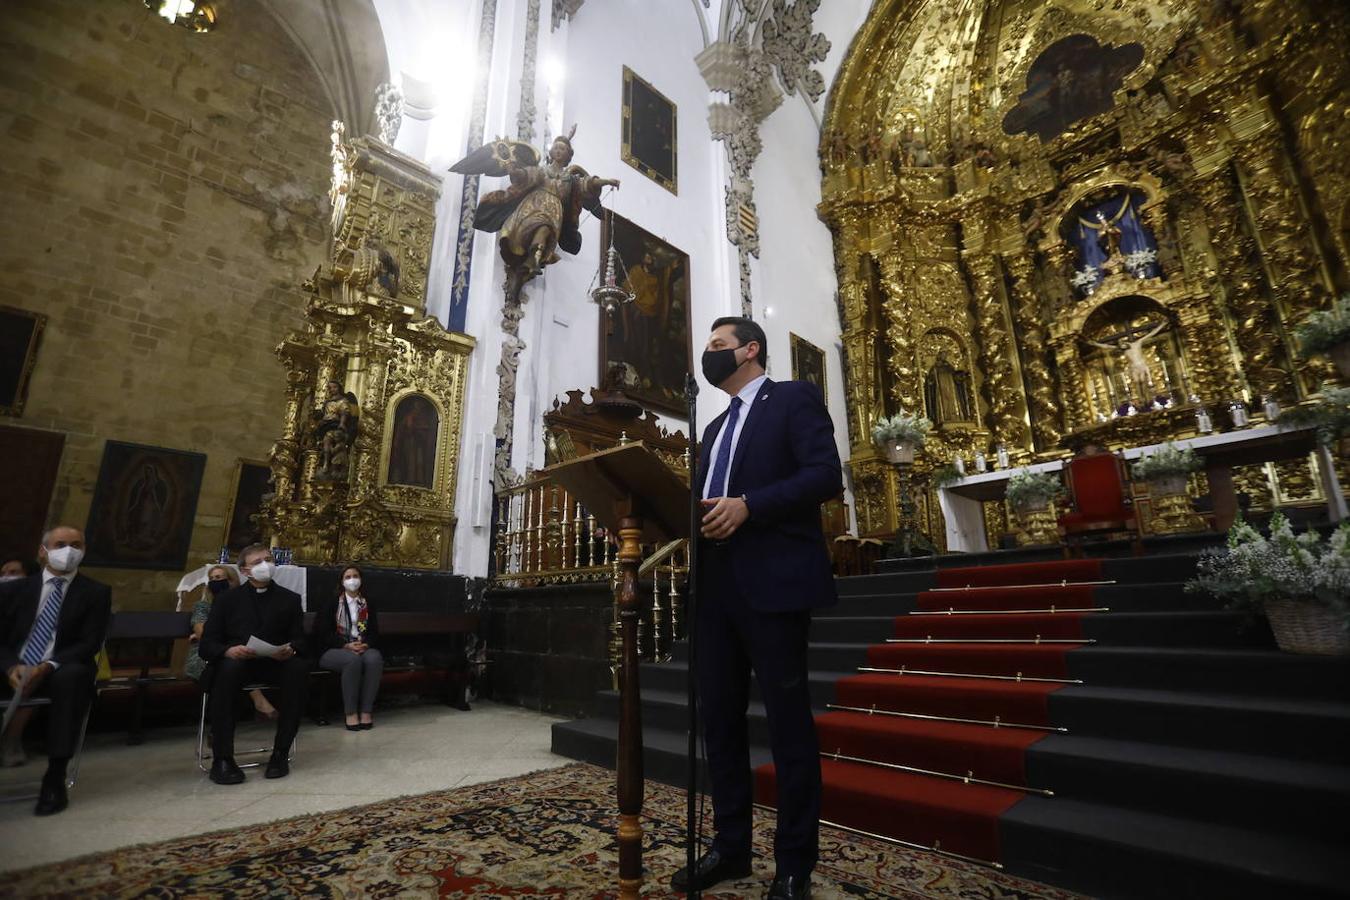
261, 647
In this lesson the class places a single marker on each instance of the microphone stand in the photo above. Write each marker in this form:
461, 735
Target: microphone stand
691, 829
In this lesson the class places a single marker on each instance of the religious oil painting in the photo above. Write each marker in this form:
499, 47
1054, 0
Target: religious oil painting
649, 139
644, 345
412, 448
143, 508
808, 362
252, 480
20, 331
1072, 80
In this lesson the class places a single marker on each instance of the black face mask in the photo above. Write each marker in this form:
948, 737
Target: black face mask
218, 587
719, 365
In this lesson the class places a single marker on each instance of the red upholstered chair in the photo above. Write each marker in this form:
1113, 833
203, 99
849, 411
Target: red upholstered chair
1100, 496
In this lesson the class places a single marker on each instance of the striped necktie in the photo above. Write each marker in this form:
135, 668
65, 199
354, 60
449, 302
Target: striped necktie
35, 648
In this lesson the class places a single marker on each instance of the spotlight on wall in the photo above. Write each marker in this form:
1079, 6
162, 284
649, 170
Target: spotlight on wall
195, 15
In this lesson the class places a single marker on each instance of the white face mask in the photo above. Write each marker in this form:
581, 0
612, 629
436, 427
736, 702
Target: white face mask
64, 559
351, 584
261, 571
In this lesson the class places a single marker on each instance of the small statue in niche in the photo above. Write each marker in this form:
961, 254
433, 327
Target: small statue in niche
1036, 219
539, 212
336, 420
1108, 235
1136, 365
946, 393
1173, 162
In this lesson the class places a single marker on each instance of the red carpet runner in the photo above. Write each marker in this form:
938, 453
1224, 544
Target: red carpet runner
947, 667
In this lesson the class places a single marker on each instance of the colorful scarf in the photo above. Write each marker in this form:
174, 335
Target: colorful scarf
344, 618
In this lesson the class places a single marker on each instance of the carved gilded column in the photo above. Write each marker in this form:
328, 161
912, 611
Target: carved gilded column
1004, 418
900, 336
1045, 410
1237, 278
1207, 357
1073, 383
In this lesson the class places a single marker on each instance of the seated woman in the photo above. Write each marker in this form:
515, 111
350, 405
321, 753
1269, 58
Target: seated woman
219, 580
345, 631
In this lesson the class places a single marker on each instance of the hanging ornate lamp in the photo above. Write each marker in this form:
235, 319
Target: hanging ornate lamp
194, 15
608, 294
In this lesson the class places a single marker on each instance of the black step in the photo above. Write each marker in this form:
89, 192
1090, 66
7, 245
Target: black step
1294, 728
1108, 851
1246, 671
1213, 785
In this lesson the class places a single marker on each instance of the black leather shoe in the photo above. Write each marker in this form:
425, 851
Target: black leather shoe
711, 868
790, 887
277, 766
51, 798
224, 771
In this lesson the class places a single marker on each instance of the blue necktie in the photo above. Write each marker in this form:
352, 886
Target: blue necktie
718, 486
45, 626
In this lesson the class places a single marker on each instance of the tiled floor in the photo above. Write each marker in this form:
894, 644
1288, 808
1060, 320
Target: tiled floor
130, 795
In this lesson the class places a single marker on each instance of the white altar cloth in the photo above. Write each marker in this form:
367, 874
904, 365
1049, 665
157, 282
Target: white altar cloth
292, 578
961, 501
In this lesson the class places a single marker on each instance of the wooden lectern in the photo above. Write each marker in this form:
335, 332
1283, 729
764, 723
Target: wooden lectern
635, 495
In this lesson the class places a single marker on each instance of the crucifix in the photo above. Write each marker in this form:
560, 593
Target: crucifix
1129, 343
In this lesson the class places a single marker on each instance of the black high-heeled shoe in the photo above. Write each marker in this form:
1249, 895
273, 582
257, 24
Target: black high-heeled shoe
353, 727
366, 726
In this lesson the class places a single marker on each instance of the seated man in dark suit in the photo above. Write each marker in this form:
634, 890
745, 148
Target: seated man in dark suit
257, 608
51, 628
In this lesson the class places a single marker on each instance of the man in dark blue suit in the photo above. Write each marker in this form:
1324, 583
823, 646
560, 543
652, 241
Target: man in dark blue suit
765, 466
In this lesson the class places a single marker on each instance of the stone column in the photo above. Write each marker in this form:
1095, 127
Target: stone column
1045, 409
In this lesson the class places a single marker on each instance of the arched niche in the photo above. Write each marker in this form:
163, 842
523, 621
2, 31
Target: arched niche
413, 440
946, 367
1131, 352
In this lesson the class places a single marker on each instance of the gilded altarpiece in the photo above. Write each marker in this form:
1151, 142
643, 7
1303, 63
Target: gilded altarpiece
367, 463
1056, 222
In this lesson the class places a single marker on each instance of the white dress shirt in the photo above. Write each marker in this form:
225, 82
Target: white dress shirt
747, 395
47, 579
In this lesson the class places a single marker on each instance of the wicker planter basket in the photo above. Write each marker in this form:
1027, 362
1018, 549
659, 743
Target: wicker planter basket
1307, 628
1165, 485
1340, 355
901, 452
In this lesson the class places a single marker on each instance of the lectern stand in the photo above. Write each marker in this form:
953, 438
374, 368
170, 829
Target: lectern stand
635, 495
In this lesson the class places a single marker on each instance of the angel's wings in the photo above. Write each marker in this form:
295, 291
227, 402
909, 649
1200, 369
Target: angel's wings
497, 158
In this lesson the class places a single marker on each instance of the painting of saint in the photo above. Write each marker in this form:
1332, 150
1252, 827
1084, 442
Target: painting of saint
808, 362
644, 345
412, 449
252, 481
1073, 79
649, 131
143, 508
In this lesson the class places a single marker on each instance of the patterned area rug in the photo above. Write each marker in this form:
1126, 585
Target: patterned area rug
547, 834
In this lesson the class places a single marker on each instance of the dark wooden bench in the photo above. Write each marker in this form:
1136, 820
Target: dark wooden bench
417, 642
140, 655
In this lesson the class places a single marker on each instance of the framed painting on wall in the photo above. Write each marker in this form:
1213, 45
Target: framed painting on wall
644, 345
649, 138
252, 480
143, 509
808, 363
20, 331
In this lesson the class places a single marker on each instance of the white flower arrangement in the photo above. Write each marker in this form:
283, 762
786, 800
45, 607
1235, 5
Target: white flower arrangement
1169, 459
1138, 261
1030, 490
1086, 277
1255, 569
901, 427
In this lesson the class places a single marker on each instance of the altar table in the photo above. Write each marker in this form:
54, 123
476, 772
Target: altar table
962, 501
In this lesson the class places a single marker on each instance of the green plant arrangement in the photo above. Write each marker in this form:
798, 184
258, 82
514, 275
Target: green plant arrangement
1326, 329
901, 427
1329, 415
1167, 469
1300, 582
1033, 490
946, 475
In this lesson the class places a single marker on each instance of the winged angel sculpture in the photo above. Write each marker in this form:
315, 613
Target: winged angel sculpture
539, 211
